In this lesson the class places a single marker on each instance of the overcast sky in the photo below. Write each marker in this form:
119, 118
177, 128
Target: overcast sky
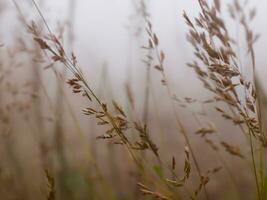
101, 28
104, 32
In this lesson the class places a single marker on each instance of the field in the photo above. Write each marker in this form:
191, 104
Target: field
74, 125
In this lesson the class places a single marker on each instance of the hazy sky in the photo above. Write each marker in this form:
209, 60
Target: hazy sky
101, 28
104, 32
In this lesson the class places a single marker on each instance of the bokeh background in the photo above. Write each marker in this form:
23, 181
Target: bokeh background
107, 36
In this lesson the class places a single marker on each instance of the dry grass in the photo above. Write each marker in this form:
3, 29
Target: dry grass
49, 163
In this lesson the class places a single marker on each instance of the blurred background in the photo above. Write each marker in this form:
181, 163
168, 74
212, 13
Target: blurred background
110, 33
42, 123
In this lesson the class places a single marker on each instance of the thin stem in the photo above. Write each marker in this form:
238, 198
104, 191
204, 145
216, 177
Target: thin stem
254, 166
177, 118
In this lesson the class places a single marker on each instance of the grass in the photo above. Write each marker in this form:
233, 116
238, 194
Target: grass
128, 159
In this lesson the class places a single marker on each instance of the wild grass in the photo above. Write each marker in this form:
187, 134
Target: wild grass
50, 163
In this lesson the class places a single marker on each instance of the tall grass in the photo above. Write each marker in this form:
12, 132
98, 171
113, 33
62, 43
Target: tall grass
140, 164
